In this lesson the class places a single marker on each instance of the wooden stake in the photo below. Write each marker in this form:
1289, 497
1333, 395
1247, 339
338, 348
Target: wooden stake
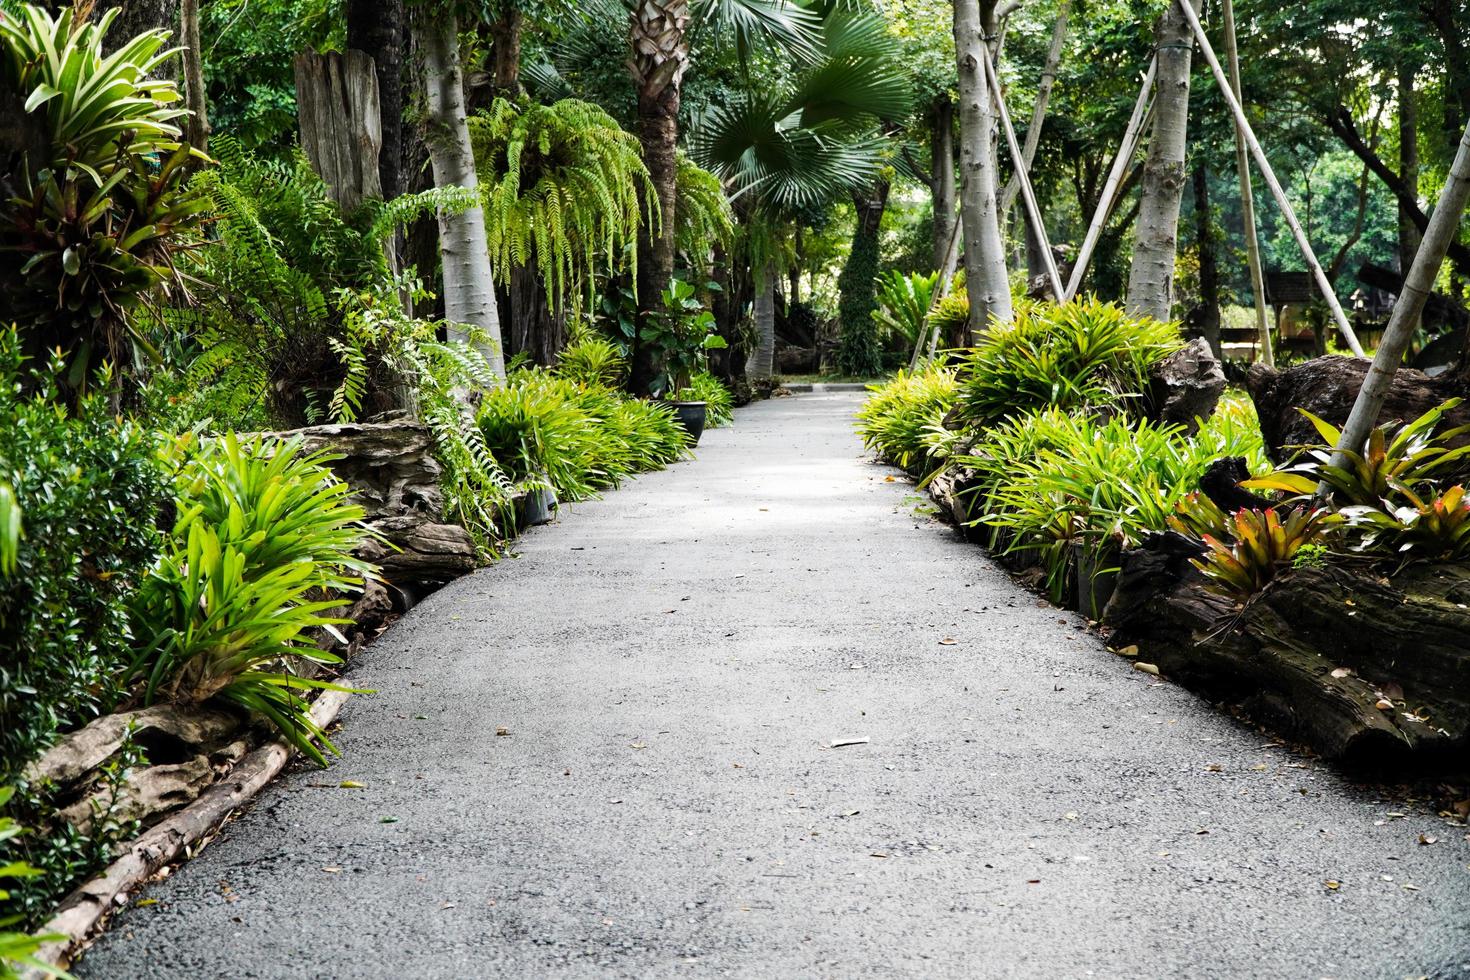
941, 289
1027, 194
1287, 212
1247, 199
1131, 136
1038, 112
1443, 228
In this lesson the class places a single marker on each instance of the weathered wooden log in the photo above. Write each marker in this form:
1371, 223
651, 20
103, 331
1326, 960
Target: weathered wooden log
415, 550
1186, 386
1365, 669
1327, 387
168, 732
84, 908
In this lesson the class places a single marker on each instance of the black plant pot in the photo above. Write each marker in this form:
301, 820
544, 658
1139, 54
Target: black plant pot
1097, 577
691, 416
536, 507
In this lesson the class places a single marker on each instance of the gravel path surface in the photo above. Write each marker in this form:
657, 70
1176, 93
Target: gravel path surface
672, 665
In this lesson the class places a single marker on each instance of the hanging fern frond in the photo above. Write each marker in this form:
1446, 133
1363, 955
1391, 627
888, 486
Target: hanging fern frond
561, 189
703, 217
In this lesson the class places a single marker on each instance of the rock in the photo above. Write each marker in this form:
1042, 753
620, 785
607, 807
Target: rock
396, 479
1327, 387
1185, 386
418, 551
167, 732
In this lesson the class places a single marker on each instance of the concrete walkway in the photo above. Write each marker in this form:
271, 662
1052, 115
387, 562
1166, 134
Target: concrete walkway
670, 667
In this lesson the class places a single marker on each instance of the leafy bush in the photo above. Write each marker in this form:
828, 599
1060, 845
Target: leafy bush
17, 949
719, 403
576, 439
678, 337
1052, 479
261, 550
900, 413
100, 208
1072, 355
593, 360
903, 306
85, 495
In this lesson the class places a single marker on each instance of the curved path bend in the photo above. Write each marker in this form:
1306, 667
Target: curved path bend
672, 664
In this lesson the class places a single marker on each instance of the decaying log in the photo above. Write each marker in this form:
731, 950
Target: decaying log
1368, 670
418, 551
167, 732
1327, 387
84, 908
1186, 386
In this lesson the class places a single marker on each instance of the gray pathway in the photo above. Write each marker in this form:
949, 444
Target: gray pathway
672, 664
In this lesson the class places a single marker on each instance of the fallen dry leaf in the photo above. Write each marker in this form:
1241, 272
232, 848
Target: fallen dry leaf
1332, 885
1131, 650
350, 784
838, 743
948, 641
1343, 672
1425, 840
1149, 669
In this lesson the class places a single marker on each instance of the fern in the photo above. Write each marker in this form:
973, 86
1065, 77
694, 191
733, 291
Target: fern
703, 217
561, 190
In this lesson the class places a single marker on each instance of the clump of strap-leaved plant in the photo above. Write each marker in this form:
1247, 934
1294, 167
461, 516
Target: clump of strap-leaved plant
1394, 501
259, 557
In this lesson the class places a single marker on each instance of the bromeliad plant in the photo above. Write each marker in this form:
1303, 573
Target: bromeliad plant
1389, 498
899, 416
1261, 545
99, 208
261, 551
1085, 353
903, 305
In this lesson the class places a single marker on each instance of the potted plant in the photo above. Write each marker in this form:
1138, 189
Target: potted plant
680, 335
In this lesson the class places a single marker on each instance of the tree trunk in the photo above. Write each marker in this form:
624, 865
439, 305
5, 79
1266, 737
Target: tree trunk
375, 27
986, 280
1267, 353
337, 106
1205, 318
534, 327
763, 359
136, 16
469, 287
858, 352
1156, 239
196, 129
942, 188
660, 54
506, 34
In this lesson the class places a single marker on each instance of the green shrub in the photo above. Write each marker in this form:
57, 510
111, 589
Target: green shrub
17, 949
1063, 478
1073, 355
903, 306
593, 360
261, 550
949, 315
86, 494
900, 414
719, 403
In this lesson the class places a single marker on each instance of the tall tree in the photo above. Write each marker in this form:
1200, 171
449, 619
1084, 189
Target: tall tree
986, 280
1408, 106
196, 129
1156, 237
376, 28
469, 287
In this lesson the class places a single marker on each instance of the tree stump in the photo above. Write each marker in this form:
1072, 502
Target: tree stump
341, 130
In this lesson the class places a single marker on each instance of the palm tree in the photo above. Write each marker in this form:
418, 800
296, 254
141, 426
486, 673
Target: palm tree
659, 33
781, 151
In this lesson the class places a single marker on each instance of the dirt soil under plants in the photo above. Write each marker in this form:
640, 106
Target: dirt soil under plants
614, 757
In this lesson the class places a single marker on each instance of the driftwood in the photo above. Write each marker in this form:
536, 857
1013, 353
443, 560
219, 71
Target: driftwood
1327, 387
84, 908
1367, 670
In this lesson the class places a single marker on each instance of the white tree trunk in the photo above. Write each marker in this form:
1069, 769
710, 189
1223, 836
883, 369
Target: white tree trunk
1444, 226
469, 287
1156, 237
986, 280
762, 363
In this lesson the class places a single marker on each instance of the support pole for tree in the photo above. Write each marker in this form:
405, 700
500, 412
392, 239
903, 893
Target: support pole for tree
1443, 227
1247, 199
1027, 193
941, 288
1131, 136
1038, 112
1287, 212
